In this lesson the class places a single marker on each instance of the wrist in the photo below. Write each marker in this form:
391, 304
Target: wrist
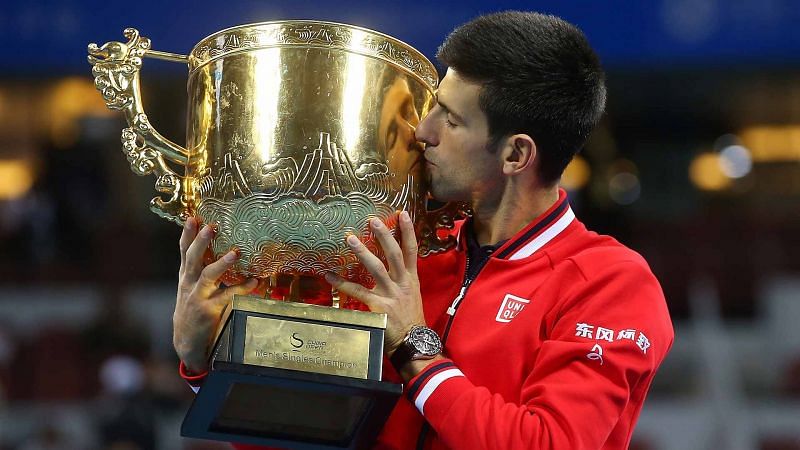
193, 368
417, 366
195, 361
419, 344
191, 377
390, 348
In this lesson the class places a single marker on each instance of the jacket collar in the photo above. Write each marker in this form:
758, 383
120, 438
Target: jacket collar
536, 234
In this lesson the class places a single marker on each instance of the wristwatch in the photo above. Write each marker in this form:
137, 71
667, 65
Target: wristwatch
420, 343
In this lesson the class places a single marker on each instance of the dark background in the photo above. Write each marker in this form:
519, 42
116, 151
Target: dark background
695, 165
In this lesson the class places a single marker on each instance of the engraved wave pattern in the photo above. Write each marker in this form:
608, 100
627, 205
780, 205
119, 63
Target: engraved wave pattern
292, 235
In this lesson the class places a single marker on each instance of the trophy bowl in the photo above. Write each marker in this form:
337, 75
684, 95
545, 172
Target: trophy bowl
298, 133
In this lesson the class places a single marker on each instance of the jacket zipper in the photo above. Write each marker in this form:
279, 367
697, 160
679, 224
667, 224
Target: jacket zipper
451, 311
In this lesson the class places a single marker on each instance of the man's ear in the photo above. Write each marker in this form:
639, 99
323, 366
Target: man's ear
519, 153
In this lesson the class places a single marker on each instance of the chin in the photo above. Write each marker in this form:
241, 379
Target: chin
443, 196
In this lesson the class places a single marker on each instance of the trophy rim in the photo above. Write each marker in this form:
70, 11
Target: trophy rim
430, 78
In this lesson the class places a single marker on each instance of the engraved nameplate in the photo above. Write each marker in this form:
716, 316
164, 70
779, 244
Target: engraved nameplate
287, 344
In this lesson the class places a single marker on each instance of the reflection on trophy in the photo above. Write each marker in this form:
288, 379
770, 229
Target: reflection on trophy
298, 133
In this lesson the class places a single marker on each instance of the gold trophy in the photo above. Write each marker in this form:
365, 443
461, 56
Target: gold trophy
298, 133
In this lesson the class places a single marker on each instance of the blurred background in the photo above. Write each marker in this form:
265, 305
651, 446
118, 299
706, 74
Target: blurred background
696, 165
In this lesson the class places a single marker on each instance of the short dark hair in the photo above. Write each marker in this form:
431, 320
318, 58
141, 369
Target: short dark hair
539, 76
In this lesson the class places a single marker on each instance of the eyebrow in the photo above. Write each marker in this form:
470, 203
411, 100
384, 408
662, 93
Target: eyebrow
447, 108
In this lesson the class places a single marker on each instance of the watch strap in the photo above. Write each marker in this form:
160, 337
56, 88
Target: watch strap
401, 356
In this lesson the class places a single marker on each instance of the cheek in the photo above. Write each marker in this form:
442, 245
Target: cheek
453, 138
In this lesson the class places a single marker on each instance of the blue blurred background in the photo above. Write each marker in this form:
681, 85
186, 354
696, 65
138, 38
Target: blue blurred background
696, 165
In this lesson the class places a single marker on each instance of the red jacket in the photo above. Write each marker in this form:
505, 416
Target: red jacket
553, 345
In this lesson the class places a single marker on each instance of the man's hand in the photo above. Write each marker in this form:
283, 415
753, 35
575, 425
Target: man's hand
396, 290
201, 300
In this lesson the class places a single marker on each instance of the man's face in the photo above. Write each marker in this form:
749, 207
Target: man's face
459, 163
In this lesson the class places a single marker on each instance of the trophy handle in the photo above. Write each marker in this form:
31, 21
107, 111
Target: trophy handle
442, 218
115, 66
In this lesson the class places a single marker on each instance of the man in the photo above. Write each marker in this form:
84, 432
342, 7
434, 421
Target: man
551, 334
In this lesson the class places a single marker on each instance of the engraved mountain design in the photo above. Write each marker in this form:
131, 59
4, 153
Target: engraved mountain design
232, 179
326, 171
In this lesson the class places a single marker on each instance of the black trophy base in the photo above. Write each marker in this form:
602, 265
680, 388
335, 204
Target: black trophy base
288, 408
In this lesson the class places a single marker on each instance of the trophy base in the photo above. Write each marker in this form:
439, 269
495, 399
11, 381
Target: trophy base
288, 408
294, 375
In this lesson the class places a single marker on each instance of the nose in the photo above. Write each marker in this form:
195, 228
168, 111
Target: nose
425, 131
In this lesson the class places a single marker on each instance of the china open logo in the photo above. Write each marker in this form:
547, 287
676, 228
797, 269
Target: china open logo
512, 305
296, 342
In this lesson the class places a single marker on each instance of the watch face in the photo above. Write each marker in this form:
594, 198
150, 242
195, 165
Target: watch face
425, 341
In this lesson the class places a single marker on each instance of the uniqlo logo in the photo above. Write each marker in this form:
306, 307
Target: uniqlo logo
512, 305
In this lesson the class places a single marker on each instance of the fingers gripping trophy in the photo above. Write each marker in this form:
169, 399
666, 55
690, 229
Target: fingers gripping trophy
298, 134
